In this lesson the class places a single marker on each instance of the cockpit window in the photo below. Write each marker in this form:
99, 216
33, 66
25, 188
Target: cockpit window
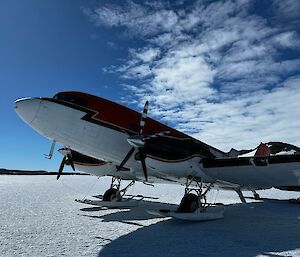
71, 98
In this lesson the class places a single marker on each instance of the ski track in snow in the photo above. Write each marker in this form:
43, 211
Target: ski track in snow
39, 217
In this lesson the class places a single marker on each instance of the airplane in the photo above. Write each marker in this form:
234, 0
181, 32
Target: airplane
105, 138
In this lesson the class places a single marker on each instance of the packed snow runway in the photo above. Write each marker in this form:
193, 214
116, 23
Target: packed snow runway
39, 217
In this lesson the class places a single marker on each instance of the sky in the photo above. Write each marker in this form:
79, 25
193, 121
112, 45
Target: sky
225, 72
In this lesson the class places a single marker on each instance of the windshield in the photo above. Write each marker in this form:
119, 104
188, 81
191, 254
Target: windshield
71, 98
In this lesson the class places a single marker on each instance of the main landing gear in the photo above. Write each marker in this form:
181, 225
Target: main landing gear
194, 197
114, 193
194, 205
115, 197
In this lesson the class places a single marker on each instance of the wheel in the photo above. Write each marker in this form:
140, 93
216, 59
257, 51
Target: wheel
189, 203
111, 194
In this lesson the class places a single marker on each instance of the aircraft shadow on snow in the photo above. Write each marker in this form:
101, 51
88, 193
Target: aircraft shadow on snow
128, 215
248, 230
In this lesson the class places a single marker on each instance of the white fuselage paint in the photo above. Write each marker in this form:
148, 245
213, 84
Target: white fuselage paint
271, 175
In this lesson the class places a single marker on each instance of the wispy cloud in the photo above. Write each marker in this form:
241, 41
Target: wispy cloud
288, 9
216, 70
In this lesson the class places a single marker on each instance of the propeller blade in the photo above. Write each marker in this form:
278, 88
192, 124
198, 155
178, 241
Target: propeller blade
126, 158
61, 167
71, 162
144, 167
143, 118
138, 142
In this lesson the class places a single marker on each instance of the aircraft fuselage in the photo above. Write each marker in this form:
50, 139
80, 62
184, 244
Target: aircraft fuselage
99, 128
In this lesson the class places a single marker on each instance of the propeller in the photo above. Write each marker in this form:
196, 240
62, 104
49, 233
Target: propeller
138, 142
67, 160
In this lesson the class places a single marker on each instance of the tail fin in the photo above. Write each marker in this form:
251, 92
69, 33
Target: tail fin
262, 150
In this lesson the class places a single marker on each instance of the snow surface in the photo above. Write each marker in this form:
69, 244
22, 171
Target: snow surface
39, 217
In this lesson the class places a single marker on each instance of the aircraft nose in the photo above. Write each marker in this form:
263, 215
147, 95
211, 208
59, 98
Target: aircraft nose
27, 108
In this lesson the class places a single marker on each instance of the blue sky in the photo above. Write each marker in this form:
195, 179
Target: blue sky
226, 72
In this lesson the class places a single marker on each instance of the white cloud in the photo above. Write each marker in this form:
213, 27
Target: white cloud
261, 115
287, 39
215, 70
289, 9
138, 19
146, 54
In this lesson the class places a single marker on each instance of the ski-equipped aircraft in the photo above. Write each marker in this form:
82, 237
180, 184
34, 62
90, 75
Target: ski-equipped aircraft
104, 138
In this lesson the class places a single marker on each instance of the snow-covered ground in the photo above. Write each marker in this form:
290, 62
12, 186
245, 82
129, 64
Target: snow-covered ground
39, 217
